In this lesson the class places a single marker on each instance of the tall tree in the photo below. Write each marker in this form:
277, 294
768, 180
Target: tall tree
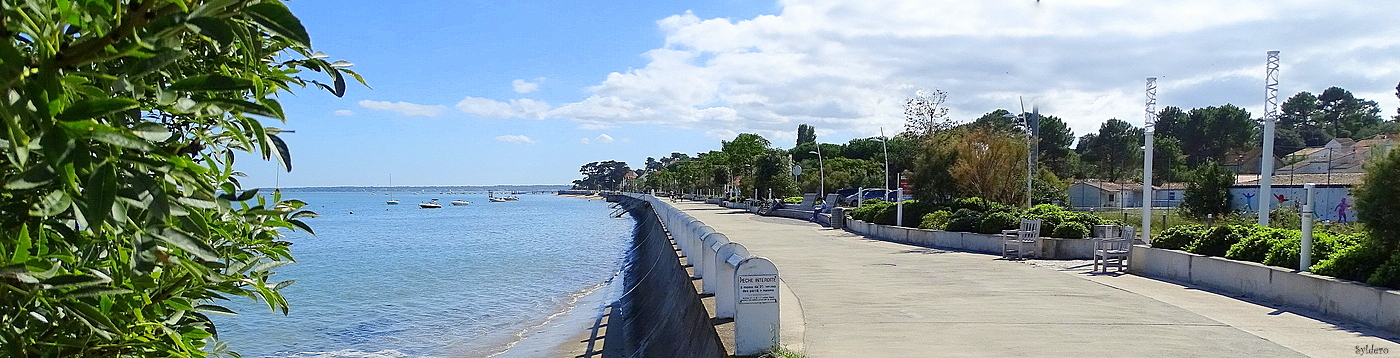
806, 134
1346, 116
932, 172
1208, 190
1208, 133
1054, 147
1115, 151
924, 113
991, 164
122, 222
772, 175
605, 175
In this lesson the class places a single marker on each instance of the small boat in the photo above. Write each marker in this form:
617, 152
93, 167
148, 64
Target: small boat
429, 206
392, 202
497, 200
460, 203
391, 192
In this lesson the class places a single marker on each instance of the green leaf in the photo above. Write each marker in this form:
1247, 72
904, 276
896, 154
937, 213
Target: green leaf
53, 204
202, 204
277, 19
211, 83
32, 178
247, 194
93, 108
152, 131
95, 291
100, 194
74, 281
213, 28
267, 266
160, 60
302, 226
245, 107
284, 155
120, 140
22, 250
305, 214
283, 284
189, 244
215, 310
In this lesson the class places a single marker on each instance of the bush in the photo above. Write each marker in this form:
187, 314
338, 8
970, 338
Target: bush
965, 220
979, 205
793, 200
1355, 262
1285, 253
994, 223
1256, 247
1218, 240
1208, 190
1071, 230
914, 211
1050, 217
937, 220
1178, 237
1375, 201
1388, 275
870, 210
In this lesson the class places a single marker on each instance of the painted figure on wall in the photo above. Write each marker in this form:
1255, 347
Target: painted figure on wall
1342, 210
1249, 201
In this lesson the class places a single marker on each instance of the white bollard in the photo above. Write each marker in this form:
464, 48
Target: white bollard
726, 258
697, 242
756, 325
712, 242
899, 207
1305, 251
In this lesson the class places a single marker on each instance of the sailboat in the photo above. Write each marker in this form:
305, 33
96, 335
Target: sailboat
391, 192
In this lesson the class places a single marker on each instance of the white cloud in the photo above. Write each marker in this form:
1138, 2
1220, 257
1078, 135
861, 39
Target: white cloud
601, 139
847, 67
516, 108
344, 112
405, 108
523, 86
515, 139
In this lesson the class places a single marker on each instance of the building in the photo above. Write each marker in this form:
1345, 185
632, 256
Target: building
1245, 162
1093, 193
1341, 155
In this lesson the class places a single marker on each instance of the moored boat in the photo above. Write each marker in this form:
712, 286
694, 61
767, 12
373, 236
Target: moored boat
460, 203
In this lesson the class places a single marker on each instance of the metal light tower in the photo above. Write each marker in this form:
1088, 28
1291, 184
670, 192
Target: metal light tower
1266, 152
1149, 121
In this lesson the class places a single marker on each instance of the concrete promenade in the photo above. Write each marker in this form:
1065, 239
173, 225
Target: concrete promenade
859, 297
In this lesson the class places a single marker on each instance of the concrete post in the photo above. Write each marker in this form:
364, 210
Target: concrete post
698, 245
712, 242
899, 206
756, 325
1305, 252
727, 257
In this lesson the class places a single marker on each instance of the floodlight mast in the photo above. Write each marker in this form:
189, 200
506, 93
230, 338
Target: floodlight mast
1148, 124
1266, 151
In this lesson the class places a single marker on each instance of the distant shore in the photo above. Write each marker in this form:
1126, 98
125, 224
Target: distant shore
589, 197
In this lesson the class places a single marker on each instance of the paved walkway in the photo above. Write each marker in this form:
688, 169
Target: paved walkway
862, 297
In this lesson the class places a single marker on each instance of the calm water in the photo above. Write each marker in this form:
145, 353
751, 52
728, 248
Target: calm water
399, 281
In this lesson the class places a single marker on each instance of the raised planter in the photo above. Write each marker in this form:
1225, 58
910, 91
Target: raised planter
1049, 247
1343, 299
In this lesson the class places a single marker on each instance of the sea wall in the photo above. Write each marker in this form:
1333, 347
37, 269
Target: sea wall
662, 315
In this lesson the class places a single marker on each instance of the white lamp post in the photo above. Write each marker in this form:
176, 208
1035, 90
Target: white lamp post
821, 168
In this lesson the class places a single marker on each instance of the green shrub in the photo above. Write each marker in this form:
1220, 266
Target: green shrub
1285, 253
1050, 217
793, 200
1375, 201
1218, 240
1388, 274
870, 210
1256, 247
1178, 237
1071, 230
1355, 262
914, 211
965, 220
994, 223
979, 205
937, 220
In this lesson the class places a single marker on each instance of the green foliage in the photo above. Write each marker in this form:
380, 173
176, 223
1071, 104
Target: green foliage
1218, 240
1208, 133
605, 175
1355, 263
965, 220
1388, 274
994, 223
1071, 230
937, 220
1178, 237
1286, 252
806, 134
871, 210
122, 221
772, 174
979, 205
1256, 247
793, 200
1115, 151
1208, 191
1376, 201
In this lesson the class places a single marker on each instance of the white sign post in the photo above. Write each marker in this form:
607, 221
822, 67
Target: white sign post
712, 242
726, 258
756, 323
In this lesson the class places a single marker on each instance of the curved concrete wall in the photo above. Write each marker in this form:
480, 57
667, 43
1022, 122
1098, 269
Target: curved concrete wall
662, 316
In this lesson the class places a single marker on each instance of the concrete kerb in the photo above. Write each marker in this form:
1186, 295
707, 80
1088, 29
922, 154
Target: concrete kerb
1390, 311
1228, 275
728, 255
712, 242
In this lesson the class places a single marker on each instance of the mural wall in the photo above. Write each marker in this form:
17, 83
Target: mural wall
1331, 203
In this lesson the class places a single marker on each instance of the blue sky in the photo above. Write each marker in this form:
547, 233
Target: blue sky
524, 92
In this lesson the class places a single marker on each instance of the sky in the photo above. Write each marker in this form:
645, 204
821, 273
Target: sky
525, 92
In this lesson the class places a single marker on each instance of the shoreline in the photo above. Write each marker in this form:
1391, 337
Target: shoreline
588, 197
567, 332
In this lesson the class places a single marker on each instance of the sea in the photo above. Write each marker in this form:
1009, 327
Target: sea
509, 279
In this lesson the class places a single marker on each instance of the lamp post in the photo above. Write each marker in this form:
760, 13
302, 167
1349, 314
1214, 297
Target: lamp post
884, 145
821, 169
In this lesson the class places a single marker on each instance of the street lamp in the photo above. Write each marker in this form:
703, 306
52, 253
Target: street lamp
821, 168
1030, 152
